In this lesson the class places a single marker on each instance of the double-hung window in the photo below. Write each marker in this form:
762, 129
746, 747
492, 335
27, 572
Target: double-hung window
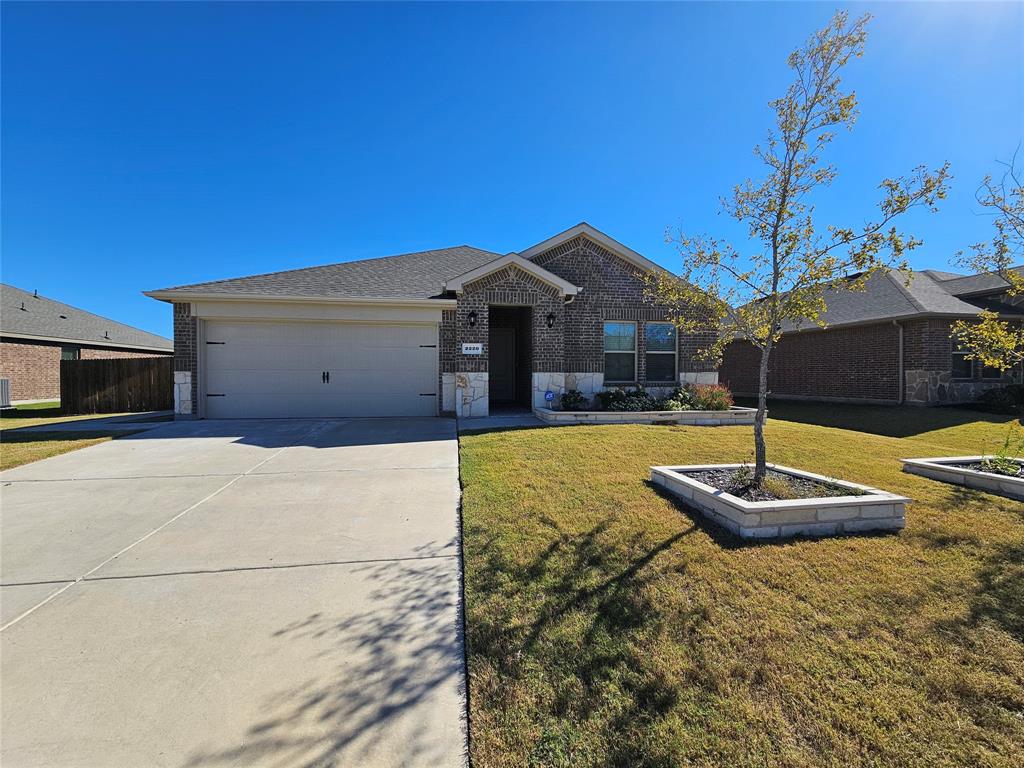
619, 352
962, 368
660, 353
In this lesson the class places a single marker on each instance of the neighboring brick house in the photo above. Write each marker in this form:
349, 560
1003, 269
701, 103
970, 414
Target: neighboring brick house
887, 344
457, 330
36, 333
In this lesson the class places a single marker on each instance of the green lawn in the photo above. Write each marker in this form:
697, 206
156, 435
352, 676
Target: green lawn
17, 448
608, 625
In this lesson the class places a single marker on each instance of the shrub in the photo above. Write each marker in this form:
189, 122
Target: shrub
681, 399
620, 400
573, 400
711, 397
1009, 399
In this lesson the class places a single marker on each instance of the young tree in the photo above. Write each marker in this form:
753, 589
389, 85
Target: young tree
994, 342
782, 281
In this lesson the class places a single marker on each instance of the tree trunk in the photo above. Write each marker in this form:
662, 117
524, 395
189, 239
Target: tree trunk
760, 453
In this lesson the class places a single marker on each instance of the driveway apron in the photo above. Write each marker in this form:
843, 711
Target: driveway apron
236, 593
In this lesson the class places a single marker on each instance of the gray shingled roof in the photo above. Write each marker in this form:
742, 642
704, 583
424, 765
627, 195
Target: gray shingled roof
887, 296
25, 314
407, 276
984, 282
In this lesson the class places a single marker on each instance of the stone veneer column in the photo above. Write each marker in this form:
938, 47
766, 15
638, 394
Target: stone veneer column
471, 395
186, 352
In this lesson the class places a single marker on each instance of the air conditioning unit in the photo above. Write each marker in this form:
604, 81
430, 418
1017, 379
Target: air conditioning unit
5, 393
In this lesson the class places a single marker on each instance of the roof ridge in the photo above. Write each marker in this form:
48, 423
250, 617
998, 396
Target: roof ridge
323, 266
903, 288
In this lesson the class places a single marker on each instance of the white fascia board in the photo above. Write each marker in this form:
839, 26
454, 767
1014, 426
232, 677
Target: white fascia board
456, 284
598, 237
105, 343
182, 297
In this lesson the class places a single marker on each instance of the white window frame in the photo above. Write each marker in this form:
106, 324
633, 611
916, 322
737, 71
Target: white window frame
674, 353
636, 344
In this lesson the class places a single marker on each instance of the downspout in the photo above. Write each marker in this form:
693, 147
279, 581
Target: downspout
902, 385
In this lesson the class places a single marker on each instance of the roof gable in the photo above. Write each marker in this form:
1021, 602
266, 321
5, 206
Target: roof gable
458, 283
592, 233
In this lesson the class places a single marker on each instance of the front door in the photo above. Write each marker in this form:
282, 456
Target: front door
502, 376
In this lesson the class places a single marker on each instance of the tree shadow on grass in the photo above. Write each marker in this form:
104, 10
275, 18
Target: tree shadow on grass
390, 688
578, 622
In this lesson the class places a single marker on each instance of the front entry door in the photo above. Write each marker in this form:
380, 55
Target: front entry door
502, 377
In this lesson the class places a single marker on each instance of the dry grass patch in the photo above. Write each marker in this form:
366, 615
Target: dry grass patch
609, 626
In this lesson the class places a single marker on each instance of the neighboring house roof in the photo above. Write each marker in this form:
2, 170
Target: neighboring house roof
29, 316
891, 296
986, 282
512, 259
410, 277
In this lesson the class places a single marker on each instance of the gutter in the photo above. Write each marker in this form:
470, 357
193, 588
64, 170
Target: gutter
175, 296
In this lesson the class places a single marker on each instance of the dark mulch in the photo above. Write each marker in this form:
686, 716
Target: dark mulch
977, 467
797, 487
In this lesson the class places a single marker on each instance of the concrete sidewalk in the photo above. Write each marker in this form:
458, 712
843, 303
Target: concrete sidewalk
236, 594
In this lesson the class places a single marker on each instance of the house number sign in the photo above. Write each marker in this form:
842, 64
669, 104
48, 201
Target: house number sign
472, 349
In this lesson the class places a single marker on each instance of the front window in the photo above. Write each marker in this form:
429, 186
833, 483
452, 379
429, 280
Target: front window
619, 352
660, 355
962, 368
993, 374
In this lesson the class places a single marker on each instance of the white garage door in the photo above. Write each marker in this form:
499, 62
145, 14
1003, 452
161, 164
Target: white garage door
294, 369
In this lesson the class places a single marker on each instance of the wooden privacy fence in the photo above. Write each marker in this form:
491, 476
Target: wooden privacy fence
117, 386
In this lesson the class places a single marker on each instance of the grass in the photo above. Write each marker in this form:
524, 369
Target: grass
17, 448
607, 625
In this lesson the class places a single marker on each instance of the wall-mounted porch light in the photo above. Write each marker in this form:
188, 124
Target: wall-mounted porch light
471, 319
551, 319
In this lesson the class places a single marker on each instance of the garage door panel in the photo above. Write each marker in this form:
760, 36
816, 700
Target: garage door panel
275, 369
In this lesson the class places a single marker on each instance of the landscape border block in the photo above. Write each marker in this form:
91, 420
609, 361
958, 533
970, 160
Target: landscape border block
873, 510
938, 468
735, 416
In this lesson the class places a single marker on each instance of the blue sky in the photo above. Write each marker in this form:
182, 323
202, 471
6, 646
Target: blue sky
147, 145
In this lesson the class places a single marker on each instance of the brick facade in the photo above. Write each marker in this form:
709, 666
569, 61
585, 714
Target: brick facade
612, 289
859, 363
186, 346
34, 366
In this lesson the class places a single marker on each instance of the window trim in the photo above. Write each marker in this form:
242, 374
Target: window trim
605, 352
674, 353
74, 349
955, 352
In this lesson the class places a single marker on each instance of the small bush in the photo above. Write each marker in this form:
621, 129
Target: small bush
620, 400
1009, 399
711, 397
681, 399
573, 400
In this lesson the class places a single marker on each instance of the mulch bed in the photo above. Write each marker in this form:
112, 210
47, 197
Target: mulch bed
977, 467
802, 488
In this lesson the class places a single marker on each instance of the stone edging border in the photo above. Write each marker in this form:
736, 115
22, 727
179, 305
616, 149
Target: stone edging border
875, 510
735, 416
938, 469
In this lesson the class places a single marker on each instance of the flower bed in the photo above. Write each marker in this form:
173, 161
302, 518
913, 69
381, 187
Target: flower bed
966, 471
847, 507
733, 416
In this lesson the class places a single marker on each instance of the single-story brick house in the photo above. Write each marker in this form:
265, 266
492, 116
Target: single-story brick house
457, 330
887, 344
36, 333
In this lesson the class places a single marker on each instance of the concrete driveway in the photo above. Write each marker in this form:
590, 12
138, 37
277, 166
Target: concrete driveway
246, 593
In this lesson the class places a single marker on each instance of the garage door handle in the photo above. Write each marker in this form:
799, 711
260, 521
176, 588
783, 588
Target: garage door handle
328, 375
